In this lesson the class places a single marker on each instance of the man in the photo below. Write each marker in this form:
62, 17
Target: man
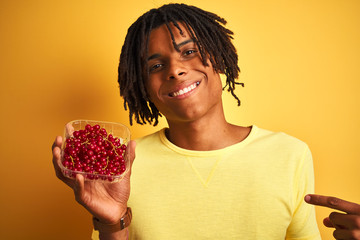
201, 178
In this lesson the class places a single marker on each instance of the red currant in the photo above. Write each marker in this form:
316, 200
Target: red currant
94, 151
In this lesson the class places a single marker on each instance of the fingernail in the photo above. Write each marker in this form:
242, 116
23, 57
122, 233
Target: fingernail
307, 198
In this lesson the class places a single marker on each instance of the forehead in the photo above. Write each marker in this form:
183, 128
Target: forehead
160, 37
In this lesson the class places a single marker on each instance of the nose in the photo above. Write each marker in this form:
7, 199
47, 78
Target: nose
176, 70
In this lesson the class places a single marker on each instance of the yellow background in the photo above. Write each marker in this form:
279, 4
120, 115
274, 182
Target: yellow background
299, 60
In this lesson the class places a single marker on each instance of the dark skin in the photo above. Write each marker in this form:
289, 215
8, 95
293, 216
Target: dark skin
105, 201
347, 224
196, 121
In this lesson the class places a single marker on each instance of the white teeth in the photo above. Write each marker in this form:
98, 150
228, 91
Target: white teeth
185, 90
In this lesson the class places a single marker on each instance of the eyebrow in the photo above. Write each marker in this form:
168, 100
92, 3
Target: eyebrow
184, 42
157, 55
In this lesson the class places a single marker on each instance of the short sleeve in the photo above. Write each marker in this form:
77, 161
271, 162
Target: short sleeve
303, 225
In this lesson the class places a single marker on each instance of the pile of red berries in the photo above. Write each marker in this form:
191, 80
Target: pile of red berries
95, 153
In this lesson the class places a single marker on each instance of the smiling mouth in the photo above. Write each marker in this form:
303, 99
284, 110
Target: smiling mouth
184, 90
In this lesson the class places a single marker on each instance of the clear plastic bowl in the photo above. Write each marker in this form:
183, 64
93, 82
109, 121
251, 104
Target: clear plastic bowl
117, 130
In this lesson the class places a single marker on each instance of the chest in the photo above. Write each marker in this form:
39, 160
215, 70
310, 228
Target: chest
210, 195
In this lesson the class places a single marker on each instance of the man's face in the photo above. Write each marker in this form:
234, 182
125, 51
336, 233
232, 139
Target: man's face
179, 85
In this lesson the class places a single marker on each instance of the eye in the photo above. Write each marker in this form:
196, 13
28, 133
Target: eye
190, 51
155, 67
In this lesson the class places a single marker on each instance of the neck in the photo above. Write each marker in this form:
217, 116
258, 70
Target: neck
205, 134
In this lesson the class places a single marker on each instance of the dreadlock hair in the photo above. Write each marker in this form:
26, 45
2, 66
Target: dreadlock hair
206, 29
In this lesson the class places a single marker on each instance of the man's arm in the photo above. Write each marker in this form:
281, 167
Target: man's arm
347, 225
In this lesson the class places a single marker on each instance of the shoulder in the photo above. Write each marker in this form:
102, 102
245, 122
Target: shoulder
280, 150
276, 140
148, 137
150, 141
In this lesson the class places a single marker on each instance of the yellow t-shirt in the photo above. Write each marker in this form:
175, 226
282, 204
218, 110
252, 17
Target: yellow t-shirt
251, 190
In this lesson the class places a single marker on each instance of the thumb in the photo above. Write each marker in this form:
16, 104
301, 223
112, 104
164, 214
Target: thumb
131, 147
130, 156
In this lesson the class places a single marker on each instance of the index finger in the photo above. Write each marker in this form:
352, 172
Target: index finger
333, 202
